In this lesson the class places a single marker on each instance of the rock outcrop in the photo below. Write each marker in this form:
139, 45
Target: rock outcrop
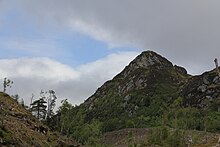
202, 90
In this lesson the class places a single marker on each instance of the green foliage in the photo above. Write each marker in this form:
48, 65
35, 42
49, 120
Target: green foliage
90, 133
177, 103
212, 122
130, 140
186, 118
2, 133
175, 139
112, 124
167, 138
65, 117
7, 83
72, 121
51, 103
22, 103
38, 107
7, 137
43, 107
214, 105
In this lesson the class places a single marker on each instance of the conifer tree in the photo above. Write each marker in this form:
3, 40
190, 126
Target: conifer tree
39, 107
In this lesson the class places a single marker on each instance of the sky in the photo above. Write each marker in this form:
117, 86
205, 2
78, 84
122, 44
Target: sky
74, 46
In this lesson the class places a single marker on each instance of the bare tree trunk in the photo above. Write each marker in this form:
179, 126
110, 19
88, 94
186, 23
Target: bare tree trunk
216, 64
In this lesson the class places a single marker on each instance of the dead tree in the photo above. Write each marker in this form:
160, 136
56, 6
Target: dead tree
216, 64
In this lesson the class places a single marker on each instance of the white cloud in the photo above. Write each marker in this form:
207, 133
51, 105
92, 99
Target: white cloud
177, 29
37, 68
187, 32
30, 75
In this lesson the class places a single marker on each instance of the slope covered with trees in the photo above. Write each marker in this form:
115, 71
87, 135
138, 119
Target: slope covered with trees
149, 92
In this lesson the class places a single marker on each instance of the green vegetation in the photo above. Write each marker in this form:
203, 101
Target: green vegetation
43, 108
167, 138
144, 98
149, 93
72, 122
38, 108
7, 83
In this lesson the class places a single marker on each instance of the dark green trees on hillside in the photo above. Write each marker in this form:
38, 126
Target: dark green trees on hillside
65, 116
38, 108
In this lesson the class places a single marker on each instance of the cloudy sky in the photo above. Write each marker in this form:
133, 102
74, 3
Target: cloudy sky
74, 46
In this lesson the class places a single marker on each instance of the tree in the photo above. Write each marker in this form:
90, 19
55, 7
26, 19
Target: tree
51, 103
64, 113
39, 107
22, 103
7, 83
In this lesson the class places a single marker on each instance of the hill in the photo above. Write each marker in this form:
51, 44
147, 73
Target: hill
148, 80
150, 92
19, 128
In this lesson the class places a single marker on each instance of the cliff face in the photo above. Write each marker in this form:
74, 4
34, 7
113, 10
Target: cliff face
19, 128
200, 91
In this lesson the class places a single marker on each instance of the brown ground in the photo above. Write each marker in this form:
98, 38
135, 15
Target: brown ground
19, 127
140, 136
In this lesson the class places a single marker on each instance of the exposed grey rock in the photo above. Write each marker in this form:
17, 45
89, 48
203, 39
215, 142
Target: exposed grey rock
189, 95
216, 79
180, 69
139, 83
127, 97
91, 106
148, 58
136, 107
209, 98
129, 87
124, 104
202, 88
209, 91
206, 79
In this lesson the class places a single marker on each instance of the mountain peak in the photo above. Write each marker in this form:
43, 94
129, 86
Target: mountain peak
150, 58
147, 73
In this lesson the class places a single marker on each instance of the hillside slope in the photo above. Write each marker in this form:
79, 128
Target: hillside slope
19, 128
150, 92
149, 85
